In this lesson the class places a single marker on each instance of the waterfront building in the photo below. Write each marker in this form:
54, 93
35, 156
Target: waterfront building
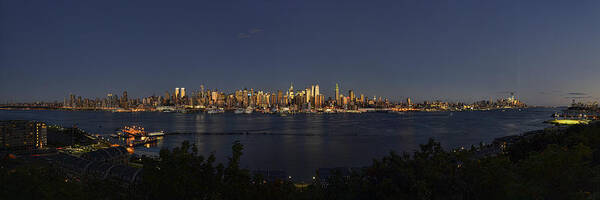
182, 92
22, 135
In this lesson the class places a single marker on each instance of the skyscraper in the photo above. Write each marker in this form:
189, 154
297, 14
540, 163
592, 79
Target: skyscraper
109, 98
124, 100
308, 94
176, 93
72, 100
317, 90
182, 92
337, 94
291, 91
280, 97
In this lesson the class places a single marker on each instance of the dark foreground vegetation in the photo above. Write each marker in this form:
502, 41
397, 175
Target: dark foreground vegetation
551, 164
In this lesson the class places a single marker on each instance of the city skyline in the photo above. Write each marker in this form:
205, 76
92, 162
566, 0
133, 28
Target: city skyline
455, 51
329, 93
303, 100
334, 95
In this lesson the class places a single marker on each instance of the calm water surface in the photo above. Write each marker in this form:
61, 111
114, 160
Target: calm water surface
301, 143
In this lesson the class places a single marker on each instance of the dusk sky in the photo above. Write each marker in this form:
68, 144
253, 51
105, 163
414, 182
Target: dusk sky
548, 52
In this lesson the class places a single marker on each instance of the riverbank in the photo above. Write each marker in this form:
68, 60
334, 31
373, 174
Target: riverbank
553, 163
258, 110
322, 140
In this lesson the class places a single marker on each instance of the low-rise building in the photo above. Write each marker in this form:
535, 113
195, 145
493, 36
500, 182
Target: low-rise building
115, 155
21, 135
80, 167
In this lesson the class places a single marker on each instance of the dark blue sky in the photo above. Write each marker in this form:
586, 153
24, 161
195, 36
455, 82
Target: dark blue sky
546, 51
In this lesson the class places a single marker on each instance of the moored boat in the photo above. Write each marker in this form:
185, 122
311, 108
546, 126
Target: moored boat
249, 110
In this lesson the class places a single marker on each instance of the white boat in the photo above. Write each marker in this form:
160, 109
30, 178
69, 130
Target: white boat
248, 110
238, 111
284, 110
215, 111
154, 134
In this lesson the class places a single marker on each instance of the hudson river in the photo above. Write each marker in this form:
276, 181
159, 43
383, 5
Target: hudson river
301, 143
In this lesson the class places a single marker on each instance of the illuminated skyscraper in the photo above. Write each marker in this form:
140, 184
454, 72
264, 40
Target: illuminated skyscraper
337, 94
280, 100
176, 93
109, 98
307, 95
124, 100
182, 91
291, 91
72, 100
317, 90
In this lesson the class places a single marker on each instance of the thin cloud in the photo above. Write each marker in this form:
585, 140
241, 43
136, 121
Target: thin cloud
553, 92
243, 35
579, 97
255, 30
505, 92
250, 33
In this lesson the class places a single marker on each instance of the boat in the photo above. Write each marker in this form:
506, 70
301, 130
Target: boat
568, 121
284, 110
156, 134
215, 111
135, 131
248, 110
132, 136
166, 109
238, 111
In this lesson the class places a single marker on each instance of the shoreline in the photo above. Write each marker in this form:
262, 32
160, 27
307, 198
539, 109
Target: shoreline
193, 111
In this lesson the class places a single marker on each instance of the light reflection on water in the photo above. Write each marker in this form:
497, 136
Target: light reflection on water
301, 143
